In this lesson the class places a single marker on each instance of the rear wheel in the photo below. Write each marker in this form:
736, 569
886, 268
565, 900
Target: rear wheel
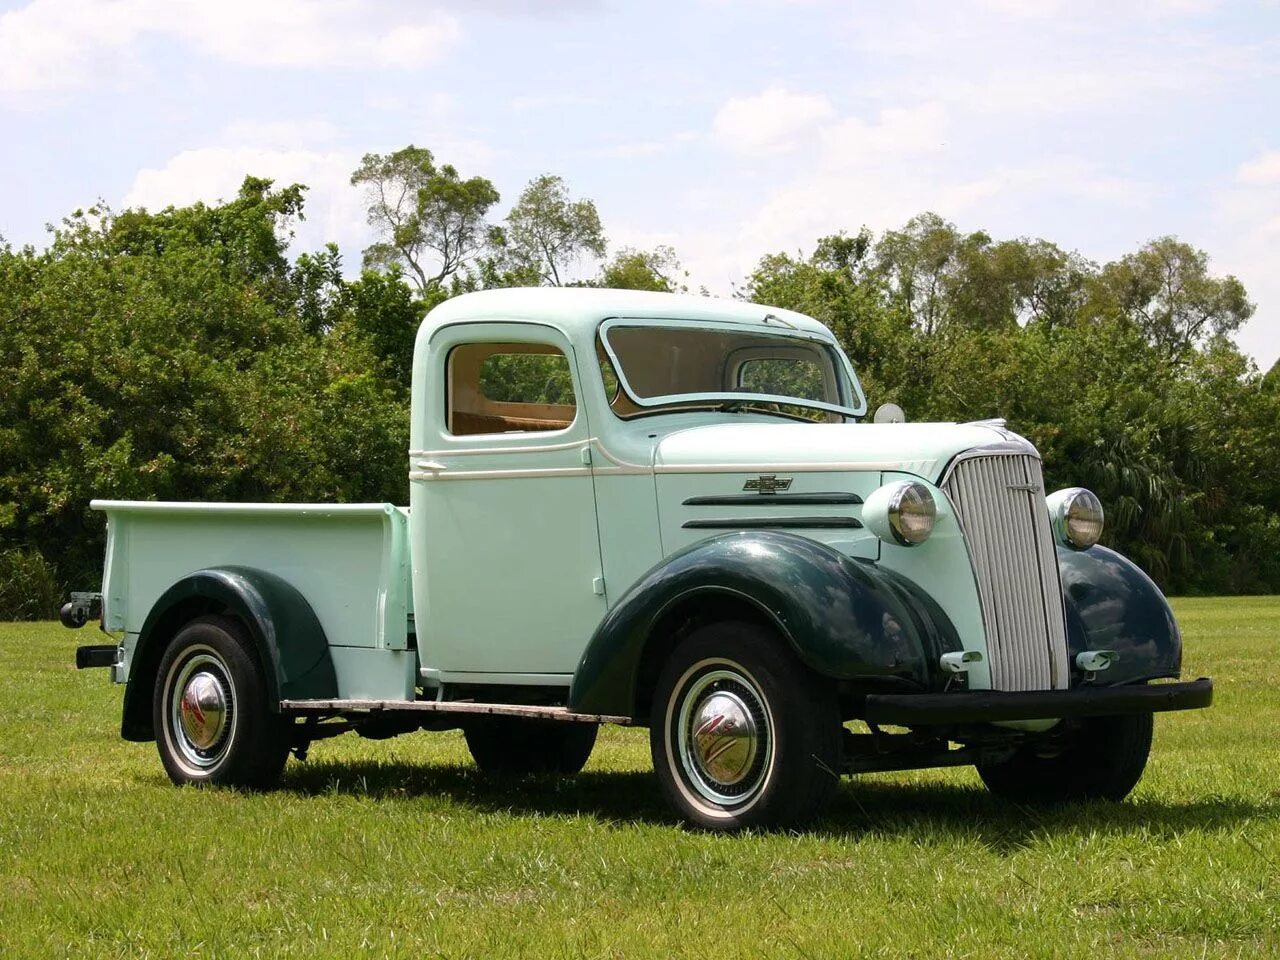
742, 733
210, 710
511, 746
1103, 759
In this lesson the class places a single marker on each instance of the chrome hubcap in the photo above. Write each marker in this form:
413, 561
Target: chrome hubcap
723, 737
202, 709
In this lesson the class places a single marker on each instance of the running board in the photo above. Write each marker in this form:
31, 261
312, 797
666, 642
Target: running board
562, 714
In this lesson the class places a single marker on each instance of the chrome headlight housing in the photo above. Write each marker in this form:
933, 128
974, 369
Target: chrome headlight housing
903, 512
1077, 517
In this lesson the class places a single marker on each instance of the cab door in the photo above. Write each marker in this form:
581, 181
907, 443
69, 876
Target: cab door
506, 548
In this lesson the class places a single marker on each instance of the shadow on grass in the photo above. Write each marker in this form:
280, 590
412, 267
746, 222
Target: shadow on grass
925, 812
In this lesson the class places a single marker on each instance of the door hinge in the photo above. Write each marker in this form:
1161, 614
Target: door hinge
586, 456
597, 586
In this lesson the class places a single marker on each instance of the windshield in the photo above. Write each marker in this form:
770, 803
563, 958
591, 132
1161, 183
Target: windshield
726, 367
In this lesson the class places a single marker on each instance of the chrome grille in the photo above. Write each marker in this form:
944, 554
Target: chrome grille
999, 500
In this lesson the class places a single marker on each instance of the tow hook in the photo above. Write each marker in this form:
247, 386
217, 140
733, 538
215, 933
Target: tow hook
80, 609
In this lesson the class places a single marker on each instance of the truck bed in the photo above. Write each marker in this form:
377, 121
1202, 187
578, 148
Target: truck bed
350, 561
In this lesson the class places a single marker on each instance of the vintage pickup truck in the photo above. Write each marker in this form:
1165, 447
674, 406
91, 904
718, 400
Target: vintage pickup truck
660, 510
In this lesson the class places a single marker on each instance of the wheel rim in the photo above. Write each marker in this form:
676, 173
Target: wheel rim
202, 714
724, 736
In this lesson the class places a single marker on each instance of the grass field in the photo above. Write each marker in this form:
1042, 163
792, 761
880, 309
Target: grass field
400, 848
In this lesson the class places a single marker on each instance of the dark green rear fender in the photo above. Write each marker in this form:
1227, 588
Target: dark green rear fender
845, 618
289, 639
1112, 605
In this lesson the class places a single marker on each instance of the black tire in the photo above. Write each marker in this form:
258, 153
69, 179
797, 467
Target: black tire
211, 663
515, 746
1102, 759
782, 775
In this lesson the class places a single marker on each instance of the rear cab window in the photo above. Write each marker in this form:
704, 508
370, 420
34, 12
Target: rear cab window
508, 388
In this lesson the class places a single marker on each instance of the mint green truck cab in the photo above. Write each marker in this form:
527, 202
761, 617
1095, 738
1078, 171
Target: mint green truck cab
664, 511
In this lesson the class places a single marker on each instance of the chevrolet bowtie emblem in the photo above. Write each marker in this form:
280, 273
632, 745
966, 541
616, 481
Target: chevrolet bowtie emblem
768, 483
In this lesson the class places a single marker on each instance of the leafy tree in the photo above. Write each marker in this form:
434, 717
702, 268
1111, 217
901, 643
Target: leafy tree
548, 232
430, 220
657, 269
181, 354
918, 264
178, 355
1078, 358
941, 277
840, 285
1165, 289
317, 278
382, 307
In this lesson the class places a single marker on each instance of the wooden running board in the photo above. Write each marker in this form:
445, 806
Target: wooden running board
563, 714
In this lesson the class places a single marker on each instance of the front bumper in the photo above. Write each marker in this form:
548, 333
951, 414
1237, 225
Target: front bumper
96, 655
988, 706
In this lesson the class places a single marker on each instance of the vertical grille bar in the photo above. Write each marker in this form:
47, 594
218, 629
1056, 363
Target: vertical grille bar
999, 500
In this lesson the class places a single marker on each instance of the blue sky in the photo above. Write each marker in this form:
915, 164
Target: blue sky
726, 129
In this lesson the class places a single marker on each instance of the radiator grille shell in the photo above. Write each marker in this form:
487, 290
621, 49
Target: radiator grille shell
999, 501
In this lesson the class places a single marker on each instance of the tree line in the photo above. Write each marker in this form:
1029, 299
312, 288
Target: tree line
183, 354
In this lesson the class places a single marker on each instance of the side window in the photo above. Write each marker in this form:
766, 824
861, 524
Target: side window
508, 388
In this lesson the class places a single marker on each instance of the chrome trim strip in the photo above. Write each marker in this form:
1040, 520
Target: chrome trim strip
834, 467
499, 451
776, 523
774, 499
500, 474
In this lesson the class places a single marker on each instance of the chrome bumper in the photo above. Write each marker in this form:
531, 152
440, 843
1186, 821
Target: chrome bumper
986, 706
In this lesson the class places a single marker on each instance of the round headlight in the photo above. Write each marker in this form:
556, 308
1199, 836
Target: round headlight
902, 512
1077, 517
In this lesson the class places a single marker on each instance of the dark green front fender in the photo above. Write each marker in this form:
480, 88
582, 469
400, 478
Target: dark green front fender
1112, 605
845, 618
289, 639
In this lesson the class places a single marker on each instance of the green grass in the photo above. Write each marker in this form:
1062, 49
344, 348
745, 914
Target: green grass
400, 848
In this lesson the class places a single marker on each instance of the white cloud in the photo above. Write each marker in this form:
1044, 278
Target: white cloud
334, 209
644, 148
1089, 57
51, 44
1261, 170
634, 150
1045, 9
555, 101
770, 122
881, 170
306, 151
896, 132
64, 44
1244, 236
279, 133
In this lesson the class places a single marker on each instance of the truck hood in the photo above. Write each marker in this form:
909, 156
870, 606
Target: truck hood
923, 449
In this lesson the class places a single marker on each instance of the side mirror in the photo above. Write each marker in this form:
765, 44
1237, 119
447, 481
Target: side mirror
889, 413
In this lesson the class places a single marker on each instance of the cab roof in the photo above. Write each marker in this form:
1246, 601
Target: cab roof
579, 310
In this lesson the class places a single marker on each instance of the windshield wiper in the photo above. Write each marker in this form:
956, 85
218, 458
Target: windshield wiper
742, 406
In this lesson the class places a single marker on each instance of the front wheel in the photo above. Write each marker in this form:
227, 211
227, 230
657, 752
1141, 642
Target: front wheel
742, 733
1102, 759
213, 722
